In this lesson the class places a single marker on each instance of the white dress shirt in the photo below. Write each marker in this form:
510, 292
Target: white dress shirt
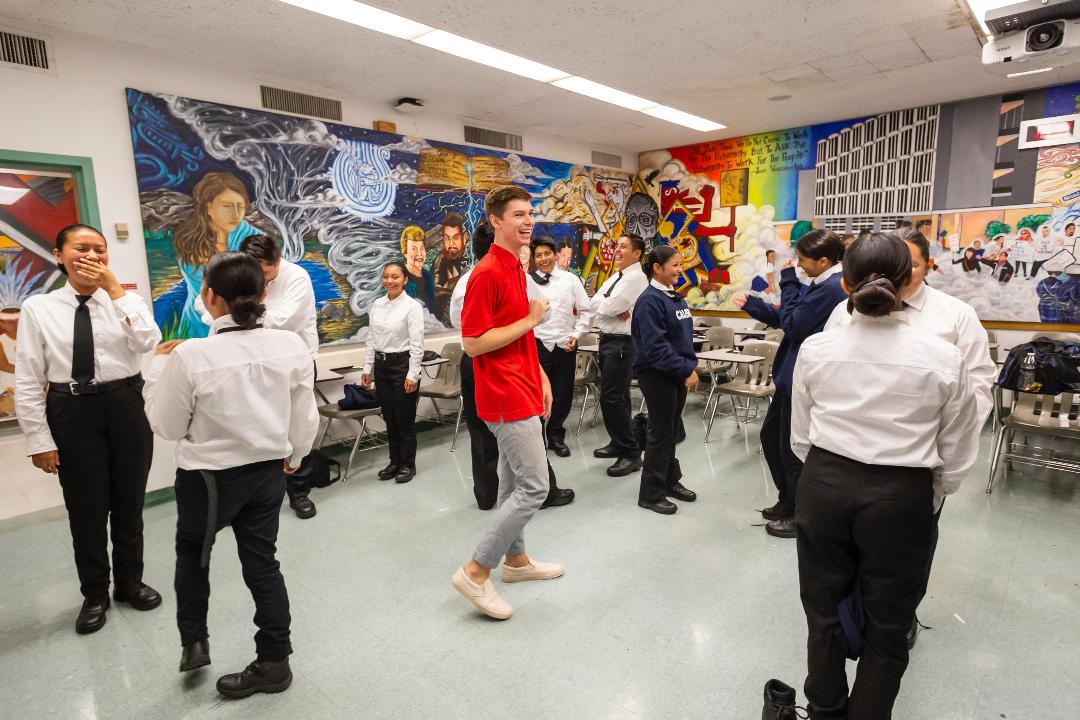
954, 321
566, 296
457, 300
124, 330
625, 286
396, 326
234, 398
881, 392
290, 305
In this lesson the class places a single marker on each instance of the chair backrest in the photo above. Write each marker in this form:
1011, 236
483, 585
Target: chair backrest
758, 326
774, 335
719, 338
450, 371
589, 338
1049, 412
758, 373
995, 352
586, 369
708, 321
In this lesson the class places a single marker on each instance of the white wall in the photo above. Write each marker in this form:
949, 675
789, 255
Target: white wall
82, 111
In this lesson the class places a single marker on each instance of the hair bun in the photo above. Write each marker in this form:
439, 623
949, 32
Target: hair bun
246, 310
875, 297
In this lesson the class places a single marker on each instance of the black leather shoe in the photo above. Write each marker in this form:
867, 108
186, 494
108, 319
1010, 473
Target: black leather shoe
559, 447
562, 496
680, 492
195, 655
388, 472
782, 528
302, 506
662, 506
776, 512
258, 677
624, 466
92, 616
913, 633
779, 701
138, 595
608, 451
404, 474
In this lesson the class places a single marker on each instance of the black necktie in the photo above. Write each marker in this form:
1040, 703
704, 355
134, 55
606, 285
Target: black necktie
673, 295
541, 279
82, 346
614, 282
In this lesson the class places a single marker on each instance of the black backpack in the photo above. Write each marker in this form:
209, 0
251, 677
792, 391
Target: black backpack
315, 470
1057, 367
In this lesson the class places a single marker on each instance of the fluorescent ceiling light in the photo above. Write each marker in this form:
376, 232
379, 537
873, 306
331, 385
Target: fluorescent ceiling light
365, 16
487, 55
979, 8
11, 195
685, 119
602, 92
1029, 72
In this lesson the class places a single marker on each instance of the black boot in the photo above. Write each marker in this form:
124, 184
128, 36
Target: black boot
92, 616
388, 472
779, 701
260, 676
302, 506
195, 655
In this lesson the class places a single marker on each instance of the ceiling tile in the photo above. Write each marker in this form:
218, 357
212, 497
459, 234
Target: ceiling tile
890, 49
791, 72
838, 62
949, 43
900, 61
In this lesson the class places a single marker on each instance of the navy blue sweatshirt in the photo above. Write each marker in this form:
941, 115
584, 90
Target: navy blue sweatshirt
663, 333
801, 315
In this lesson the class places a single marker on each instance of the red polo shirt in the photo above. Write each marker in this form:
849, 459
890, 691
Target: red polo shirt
508, 383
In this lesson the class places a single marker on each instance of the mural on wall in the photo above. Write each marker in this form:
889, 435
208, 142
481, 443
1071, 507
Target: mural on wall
34, 206
343, 201
733, 208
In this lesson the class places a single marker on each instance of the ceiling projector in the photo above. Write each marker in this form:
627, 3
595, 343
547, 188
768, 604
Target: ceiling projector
1032, 36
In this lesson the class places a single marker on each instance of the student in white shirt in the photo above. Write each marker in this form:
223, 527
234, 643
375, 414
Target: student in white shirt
612, 306
885, 420
240, 406
953, 320
568, 318
79, 403
392, 356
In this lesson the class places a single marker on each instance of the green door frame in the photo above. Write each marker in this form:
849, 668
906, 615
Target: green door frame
82, 168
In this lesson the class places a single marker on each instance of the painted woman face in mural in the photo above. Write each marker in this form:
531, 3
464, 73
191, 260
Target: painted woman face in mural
226, 211
415, 252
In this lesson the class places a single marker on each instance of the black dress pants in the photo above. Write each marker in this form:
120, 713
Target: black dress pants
665, 397
870, 525
398, 407
484, 447
249, 499
616, 358
933, 551
105, 445
784, 465
560, 366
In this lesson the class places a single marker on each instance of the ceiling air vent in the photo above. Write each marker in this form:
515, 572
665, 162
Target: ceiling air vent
606, 159
480, 136
25, 52
298, 103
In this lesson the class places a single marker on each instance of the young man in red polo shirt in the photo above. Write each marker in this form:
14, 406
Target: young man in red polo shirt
512, 396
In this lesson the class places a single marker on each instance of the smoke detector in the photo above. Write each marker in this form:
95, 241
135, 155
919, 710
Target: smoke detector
409, 105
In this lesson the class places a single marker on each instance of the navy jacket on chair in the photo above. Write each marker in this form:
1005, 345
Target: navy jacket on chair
803, 312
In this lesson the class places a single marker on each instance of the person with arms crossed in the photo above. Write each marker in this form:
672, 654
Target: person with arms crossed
612, 307
79, 403
513, 397
568, 318
204, 394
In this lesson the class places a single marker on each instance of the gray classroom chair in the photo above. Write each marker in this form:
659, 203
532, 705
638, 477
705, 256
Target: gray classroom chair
1052, 416
447, 385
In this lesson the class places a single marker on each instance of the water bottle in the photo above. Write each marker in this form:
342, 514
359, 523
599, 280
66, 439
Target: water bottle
1027, 372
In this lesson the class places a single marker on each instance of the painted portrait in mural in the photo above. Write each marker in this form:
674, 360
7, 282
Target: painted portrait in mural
341, 202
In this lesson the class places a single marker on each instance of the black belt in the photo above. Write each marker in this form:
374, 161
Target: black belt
614, 337
96, 388
384, 357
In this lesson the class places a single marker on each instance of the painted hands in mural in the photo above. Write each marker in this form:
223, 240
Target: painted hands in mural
537, 309
46, 461
739, 299
411, 385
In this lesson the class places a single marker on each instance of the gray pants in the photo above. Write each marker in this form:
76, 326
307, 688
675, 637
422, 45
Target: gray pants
523, 486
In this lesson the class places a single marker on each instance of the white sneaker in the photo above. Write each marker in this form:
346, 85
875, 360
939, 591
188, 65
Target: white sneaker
483, 596
535, 570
